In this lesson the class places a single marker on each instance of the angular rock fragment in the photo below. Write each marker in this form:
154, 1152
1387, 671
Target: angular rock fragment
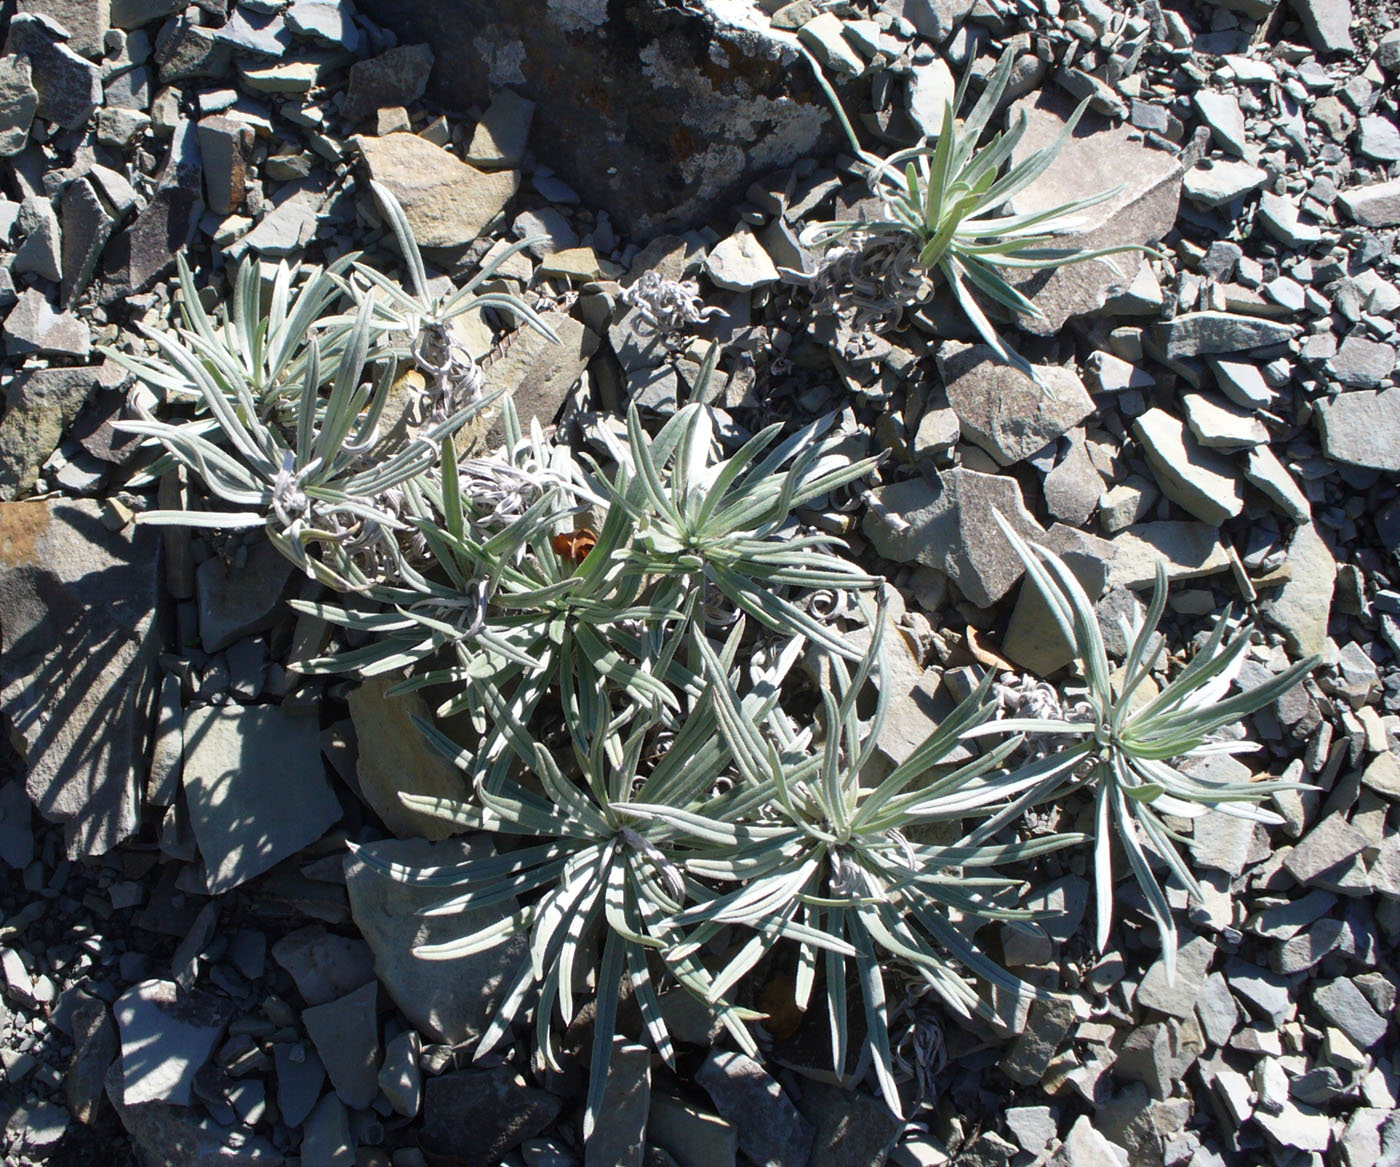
42, 250
1216, 183
240, 597
224, 144
346, 1033
162, 1133
498, 142
1196, 479
769, 1128
1095, 159
323, 965
620, 1140
1200, 333
739, 263
400, 1077
87, 225
448, 203
77, 670
43, 404
1362, 428
396, 77
34, 327
18, 101
452, 1000
953, 530
395, 757
1302, 607
1376, 205
1002, 409
256, 789
69, 88
166, 1036
85, 21
476, 1116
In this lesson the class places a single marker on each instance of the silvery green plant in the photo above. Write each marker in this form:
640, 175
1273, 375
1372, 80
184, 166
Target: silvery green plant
842, 859
948, 200
288, 399
418, 325
259, 350
723, 530
1128, 748
601, 883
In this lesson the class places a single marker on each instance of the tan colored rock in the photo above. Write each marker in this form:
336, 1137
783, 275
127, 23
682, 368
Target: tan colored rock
448, 203
395, 757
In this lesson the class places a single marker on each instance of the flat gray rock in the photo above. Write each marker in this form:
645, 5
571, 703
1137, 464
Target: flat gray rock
1187, 551
325, 966
953, 530
1362, 428
1200, 481
447, 1000
300, 1076
1222, 113
77, 666
326, 1138
69, 88
620, 1139
476, 1116
1328, 24
1029, 1056
853, 1128
447, 202
1379, 139
400, 1077
396, 77
1213, 182
167, 1134
1376, 205
1302, 608
18, 101
1196, 334
166, 1036
394, 757
1361, 363
769, 1128
256, 789
43, 404
33, 326
85, 21
1178, 997
1002, 409
1343, 1004
739, 263
238, 599
1098, 157
346, 1033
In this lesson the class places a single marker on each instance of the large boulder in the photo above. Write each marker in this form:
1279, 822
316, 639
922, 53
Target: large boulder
654, 111
78, 644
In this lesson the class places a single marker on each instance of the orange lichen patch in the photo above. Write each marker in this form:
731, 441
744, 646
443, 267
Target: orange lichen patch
22, 525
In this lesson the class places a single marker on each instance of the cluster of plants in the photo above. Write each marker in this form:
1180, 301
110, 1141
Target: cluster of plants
641, 660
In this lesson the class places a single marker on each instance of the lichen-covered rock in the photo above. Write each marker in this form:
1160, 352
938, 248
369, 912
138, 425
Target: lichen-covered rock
654, 111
